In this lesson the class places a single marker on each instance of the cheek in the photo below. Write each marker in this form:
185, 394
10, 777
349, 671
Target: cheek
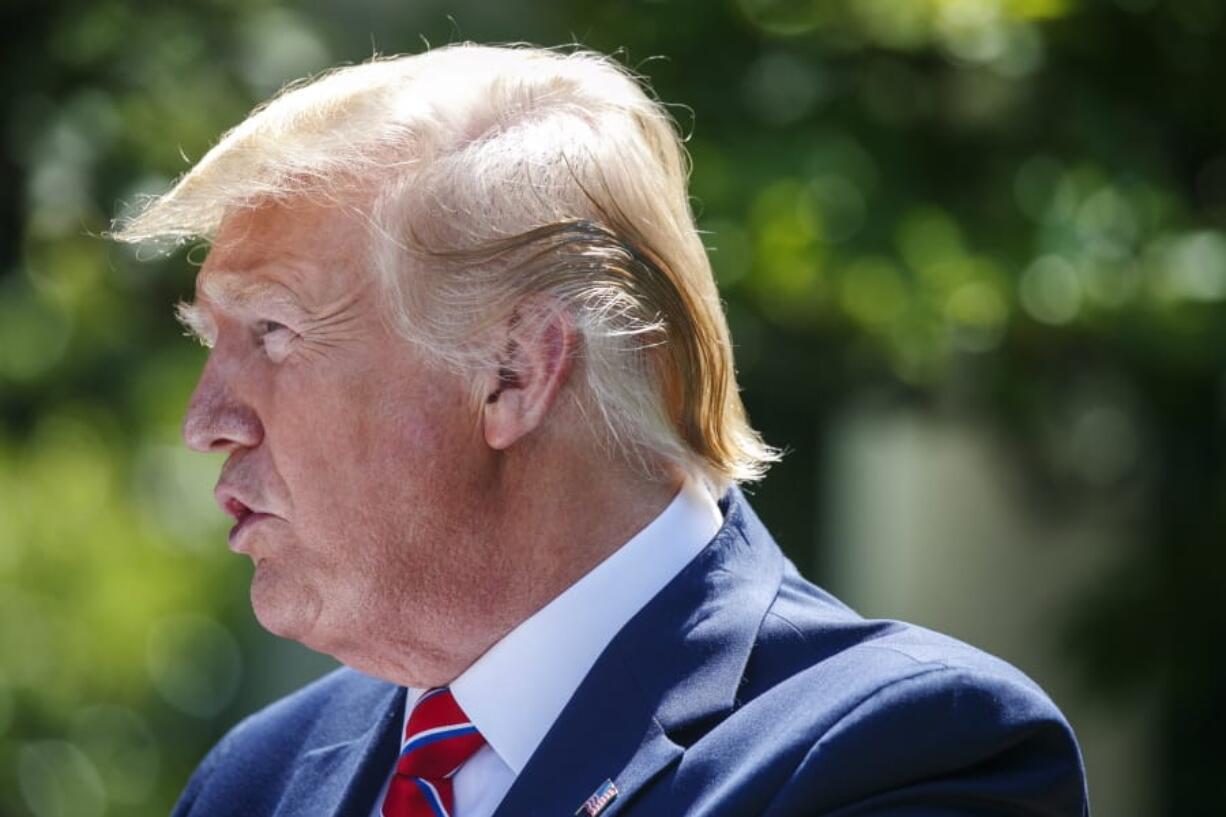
369, 449
408, 419
376, 453
326, 427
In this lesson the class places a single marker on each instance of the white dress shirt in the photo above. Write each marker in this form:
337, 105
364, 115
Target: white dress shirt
516, 690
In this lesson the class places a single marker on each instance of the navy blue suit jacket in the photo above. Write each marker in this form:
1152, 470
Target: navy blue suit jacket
740, 689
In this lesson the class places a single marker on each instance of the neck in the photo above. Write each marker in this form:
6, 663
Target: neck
566, 522
545, 519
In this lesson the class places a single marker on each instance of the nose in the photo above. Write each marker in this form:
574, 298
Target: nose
216, 419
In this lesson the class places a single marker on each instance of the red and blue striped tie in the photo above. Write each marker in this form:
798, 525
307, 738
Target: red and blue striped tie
438, 739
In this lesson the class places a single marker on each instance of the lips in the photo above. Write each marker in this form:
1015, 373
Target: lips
236, 508
245, 516
245, 521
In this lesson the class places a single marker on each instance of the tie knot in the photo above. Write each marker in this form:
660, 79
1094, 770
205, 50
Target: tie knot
438, 738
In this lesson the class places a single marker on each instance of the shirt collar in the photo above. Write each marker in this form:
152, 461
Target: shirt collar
516, 690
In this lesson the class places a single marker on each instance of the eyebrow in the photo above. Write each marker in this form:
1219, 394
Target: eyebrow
196, 323
235, 291
230, 292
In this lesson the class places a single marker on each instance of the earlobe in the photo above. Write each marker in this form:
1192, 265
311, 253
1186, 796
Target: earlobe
503, 420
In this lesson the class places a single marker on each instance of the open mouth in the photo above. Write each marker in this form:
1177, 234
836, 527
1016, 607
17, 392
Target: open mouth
238, 510
244, 518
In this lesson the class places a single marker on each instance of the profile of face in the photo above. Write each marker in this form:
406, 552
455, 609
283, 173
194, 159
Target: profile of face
355, 469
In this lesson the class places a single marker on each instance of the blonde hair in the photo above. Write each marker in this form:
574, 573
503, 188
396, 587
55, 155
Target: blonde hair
493, 175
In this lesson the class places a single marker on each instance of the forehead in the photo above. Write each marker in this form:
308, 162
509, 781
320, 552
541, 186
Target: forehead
295, 252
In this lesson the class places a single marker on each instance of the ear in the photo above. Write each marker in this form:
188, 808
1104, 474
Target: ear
537, 342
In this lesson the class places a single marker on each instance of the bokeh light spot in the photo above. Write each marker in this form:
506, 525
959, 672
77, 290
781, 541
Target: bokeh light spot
971, 30
976, 313
58, 780
787, 17
873, 292
174, 487
1106, 216
894, 24
780, 88
279, 46
194, 663
931, 244
1022, 54
122, 748
1050, 291
1190, 267
1110, 283
1104, 444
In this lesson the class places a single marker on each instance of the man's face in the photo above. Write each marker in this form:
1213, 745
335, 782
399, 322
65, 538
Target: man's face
354, 468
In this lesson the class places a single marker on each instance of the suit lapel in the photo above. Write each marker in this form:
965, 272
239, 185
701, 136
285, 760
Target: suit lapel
344, 777
672, 671
604, 736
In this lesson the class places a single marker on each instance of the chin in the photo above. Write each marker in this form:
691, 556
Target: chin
283, 606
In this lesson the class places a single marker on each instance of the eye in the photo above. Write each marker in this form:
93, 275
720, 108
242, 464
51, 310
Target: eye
264, 328
275, 338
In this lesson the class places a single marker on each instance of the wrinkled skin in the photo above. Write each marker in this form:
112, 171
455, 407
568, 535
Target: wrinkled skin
392, 524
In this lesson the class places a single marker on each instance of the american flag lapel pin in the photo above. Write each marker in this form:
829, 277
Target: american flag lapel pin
600, 798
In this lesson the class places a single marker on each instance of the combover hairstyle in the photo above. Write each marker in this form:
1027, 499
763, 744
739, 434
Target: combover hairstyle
494, 177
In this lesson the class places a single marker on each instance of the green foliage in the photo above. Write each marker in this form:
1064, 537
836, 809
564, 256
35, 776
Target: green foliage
1014, 208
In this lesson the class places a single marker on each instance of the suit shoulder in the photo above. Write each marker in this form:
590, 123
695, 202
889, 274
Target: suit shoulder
877, 706
248, 766
859, 665
805, 630
927, 736
335, 707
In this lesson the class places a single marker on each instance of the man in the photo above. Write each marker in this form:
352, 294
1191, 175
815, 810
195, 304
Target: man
470, 370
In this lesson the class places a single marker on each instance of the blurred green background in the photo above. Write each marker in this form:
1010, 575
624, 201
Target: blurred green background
974, 258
